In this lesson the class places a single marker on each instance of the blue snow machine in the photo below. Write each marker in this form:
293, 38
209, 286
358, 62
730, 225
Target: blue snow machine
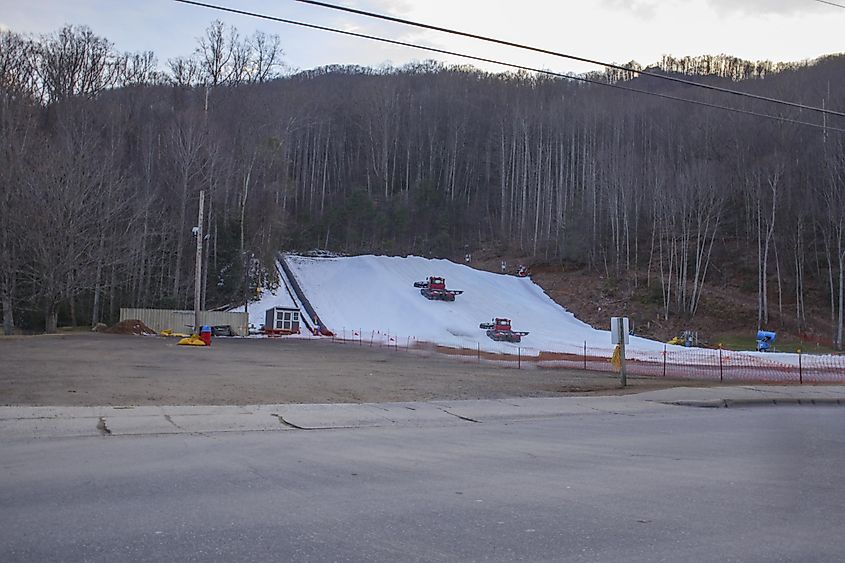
765, 340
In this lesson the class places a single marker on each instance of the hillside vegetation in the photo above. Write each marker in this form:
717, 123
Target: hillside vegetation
102, 158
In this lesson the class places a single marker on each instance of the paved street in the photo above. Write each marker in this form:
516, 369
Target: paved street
607, 481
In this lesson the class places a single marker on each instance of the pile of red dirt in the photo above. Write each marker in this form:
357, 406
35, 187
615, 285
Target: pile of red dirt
130, 326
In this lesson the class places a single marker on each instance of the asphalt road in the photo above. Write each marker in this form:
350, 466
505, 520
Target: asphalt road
673, 484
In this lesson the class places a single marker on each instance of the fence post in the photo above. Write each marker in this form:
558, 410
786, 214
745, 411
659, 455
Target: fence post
360, 337
800, 369
721, 370
664, 360
518, 357
623, 376
478, 352
585, 355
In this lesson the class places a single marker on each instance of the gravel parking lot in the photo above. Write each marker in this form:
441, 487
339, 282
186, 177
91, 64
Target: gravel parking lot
100, 369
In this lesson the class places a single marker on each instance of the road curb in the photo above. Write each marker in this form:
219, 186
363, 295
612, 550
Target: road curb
734, 403
65, 422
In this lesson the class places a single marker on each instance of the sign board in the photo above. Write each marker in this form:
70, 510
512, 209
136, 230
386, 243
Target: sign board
614, 330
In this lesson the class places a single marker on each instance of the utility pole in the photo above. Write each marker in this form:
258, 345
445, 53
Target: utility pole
198, 273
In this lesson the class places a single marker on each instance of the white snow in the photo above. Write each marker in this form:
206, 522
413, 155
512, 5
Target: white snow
374, 296
278, 297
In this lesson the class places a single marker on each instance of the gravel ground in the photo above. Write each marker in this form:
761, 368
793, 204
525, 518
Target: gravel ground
100, 369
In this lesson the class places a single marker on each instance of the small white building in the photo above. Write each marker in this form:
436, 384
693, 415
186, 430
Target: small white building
283, 316
281, 320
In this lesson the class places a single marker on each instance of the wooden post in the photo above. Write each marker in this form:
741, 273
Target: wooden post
478, 351
585, 355
623, 377
198, 271
664, 360
721, 369
800, 369
519, 358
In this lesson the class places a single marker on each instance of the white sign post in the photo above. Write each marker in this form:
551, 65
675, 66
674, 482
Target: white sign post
619, 335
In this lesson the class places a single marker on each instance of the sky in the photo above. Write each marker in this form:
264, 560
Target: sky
607, 30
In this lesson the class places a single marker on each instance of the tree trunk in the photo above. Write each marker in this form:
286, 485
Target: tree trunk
95, 308
51, 319
8, 312
180, 242
112, 285
760, 276
841, 319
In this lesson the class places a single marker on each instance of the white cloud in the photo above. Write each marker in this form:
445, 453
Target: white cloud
392, 7
644, 9
767, 7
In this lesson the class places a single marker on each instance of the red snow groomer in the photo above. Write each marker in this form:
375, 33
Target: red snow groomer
500, 330
434, 288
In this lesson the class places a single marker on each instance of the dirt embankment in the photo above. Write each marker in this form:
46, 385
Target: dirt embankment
728, 305
129, 326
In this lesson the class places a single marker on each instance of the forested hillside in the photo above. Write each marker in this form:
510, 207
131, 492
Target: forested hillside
102, 158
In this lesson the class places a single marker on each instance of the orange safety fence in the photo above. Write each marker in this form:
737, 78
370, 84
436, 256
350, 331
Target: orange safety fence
674, 362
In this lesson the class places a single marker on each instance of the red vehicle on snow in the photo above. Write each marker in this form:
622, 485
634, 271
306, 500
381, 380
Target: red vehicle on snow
434, 288
500, 330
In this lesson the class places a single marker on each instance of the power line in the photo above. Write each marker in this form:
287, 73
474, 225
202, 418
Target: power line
506, 64
830, 3
567, 56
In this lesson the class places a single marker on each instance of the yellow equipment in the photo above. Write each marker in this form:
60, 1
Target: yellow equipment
169, 332
192, 340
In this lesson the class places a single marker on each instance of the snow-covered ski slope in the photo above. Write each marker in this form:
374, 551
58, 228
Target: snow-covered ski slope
373, 297
281, 296
270, 298
368, 294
